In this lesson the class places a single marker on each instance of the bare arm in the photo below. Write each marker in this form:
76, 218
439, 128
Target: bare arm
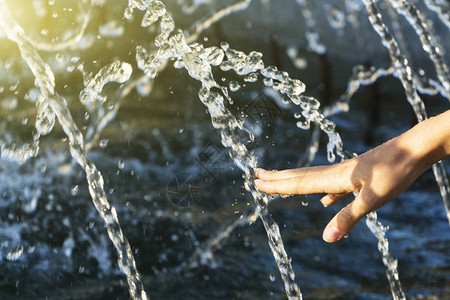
377, 176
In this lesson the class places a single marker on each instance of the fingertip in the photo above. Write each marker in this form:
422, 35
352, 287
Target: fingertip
264, 186
329, 199
260, 172
259, 183
331, 234
326, 201
343, 222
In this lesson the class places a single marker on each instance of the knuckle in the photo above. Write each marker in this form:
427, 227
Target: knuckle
345, 218
298, 184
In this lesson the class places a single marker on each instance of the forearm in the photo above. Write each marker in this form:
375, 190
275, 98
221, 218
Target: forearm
429, 141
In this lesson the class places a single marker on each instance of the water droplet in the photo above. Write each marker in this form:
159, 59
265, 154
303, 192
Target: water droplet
121, 165
234, 86
225, 46
252, 77
15, 254
74, 190
9, 103
128, 14
268, 82
330, 156
304, 124
272, 277
59, 58
103, 143
305, 203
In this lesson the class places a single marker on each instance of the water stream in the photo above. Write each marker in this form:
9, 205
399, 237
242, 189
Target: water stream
45, 81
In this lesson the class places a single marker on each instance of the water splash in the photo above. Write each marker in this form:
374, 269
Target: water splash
383, 246
311, 35
85, 7
442, 8
45, 81
429, 42
198, 61
404, 73
201, 25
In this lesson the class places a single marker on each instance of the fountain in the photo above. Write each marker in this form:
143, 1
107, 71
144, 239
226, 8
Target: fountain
158, 163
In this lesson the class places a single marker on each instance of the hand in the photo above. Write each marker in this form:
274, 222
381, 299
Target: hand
377, 176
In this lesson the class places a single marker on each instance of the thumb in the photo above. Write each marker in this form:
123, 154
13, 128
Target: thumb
344, 221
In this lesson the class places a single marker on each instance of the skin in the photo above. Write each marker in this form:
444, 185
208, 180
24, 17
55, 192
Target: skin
377, 176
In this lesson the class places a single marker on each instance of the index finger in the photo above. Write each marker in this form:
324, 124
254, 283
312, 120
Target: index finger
334, 179
289, 173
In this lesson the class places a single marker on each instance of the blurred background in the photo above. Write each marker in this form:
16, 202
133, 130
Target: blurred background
171, 180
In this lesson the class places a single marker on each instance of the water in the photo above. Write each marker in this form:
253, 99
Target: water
403, 71
160, 170
45, 81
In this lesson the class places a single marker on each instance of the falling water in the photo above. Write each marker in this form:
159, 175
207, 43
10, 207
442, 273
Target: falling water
403, 71
442, 8
182, 48
45, 81
383, 246
311, 35
197, 61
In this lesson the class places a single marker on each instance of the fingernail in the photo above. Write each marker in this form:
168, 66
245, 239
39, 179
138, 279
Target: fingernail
258, 182
259, 171
331, 234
